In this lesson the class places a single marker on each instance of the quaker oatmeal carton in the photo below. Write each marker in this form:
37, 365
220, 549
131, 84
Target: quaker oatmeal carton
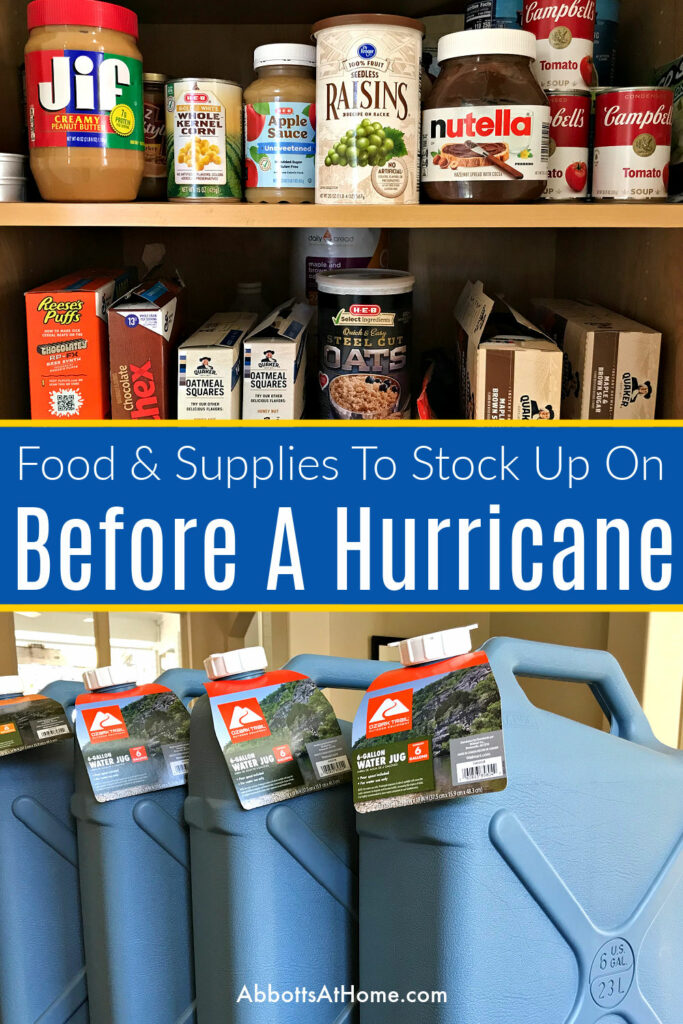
210, 368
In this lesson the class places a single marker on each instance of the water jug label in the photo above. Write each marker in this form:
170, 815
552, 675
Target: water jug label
429, 735
280, 740
31, 721
137, 741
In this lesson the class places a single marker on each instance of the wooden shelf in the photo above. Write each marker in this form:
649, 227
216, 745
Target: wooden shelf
242, 215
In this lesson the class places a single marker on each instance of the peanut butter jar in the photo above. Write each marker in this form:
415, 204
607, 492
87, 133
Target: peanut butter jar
85, 101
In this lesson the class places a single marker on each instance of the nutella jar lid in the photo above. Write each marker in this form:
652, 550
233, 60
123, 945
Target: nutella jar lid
296, 54
474, 42
365, 282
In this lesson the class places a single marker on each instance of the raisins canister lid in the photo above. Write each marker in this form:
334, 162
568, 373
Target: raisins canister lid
475, 42
449, 643
234, 663
371, 20
9, 685
94, 13
296, 54
365, 282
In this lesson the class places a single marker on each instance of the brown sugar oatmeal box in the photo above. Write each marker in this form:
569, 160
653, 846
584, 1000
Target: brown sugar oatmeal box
364, 341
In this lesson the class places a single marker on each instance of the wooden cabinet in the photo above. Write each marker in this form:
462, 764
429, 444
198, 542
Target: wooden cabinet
625, 257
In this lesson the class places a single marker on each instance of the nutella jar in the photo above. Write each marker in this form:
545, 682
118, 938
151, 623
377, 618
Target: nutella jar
154, 181
84, 101
485, 128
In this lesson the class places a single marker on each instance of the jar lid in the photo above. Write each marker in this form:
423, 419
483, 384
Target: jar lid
94, 13
150, 78
369, 20
299, 54
365, 282
234, 663
473, 42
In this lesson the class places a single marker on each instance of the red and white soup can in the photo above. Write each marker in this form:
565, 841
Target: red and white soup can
565, 31
570, 117
632, 144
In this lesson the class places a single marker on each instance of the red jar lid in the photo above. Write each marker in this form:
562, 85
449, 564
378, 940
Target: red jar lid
82, 12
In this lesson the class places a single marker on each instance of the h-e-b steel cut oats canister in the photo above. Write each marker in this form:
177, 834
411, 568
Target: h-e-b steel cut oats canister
368, 109
364, 340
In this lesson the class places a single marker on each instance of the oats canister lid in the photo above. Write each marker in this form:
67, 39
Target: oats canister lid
365, 282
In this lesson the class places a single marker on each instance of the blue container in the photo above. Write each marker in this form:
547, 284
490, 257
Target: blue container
135, 895
42, 973
605, 47
556, 901
274, 889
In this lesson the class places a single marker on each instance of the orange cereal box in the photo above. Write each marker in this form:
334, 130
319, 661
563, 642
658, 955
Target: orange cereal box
68, 355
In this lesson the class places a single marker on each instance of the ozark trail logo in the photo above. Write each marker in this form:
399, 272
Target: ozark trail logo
105, 724
244, 720
391, 713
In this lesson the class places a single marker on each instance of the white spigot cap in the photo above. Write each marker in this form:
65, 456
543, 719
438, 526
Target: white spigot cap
234, 663
110, 675
10, 685
435, 646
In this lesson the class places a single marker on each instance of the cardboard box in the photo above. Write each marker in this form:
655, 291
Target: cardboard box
68, 359
210, 369
508, 369
144, 328
611, 363
275, 365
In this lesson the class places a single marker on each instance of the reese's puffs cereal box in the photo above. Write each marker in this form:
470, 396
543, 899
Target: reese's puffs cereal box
68, 355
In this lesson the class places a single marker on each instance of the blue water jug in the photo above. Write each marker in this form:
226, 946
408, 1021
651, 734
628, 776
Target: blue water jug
556, 901
274, 888
42, 973
135, 892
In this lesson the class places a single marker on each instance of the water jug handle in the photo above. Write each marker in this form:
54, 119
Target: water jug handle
163, 829
339, 673
598, 669
47, 827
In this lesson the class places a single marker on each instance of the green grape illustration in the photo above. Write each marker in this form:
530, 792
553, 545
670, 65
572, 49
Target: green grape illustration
369, 145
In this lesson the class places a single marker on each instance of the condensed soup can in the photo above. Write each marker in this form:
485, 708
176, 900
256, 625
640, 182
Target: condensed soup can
632, 144
565, 34
570, 114
204, 138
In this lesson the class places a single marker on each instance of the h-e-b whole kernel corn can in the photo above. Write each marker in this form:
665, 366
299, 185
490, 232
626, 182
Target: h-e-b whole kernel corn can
204, 136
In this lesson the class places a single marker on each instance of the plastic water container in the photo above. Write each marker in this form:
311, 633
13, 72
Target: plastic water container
556, 901
274, 888
42, 973
135, 889
606, 32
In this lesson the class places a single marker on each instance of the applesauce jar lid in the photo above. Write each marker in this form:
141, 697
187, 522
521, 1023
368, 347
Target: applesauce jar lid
368, 19
296, 54
94, 13
474, 42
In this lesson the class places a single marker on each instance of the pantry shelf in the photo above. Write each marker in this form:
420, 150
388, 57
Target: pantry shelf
168, 215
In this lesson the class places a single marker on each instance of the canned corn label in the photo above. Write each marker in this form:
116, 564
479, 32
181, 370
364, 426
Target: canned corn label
204, 137
364, 348
84, 99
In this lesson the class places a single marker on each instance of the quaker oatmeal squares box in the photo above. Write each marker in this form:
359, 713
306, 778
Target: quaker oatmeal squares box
210, 369
144, 329
508, 369
274, 355
611, 363
67, 344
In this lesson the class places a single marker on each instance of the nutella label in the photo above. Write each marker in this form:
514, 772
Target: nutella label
497, 143
633, 144
564, 42
569, 130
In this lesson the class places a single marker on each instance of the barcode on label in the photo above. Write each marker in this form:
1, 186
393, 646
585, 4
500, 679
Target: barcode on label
474, 771
48, 734
545, 144
336, 767
178, 767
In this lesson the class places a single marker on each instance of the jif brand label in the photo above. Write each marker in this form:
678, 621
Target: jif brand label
135, 741
429, 734
31, 721
280, 740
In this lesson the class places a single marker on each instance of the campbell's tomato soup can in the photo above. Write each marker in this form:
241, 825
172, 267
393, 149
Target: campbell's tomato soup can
632, 144
564, 42
365, 320
570, 116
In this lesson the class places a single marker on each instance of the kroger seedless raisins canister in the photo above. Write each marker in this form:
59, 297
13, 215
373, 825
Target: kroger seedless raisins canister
368, 109
364, 339
204, 137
